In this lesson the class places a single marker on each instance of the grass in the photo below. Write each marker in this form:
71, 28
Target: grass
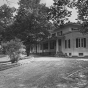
46, 74
59, 76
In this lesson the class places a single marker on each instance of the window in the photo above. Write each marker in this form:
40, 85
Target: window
84, 42
80, 42
80, 54
69, 54
41, 47
69, 43
59, 41
59, 33
65, 43
52, 44
75, 29
77, 43
54, 34
45, 46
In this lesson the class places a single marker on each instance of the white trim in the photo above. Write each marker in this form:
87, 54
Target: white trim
56, 46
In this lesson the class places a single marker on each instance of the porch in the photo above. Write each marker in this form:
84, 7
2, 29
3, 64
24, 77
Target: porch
51, 47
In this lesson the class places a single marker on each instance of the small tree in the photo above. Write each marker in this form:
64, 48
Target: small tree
12, 48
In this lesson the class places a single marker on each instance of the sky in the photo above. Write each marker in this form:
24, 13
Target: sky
48, 3
9, 2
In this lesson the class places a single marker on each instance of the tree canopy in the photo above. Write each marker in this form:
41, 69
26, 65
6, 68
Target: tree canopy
6, 14
82, 7
32, 20
59, 12
31, 24
6, 19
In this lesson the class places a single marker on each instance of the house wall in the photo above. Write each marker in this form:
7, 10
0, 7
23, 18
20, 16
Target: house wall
67, 33
72, 35
73, 50
66, 30
81, 49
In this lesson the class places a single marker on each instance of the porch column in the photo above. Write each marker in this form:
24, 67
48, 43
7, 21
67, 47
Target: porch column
37, 48
42, 47
49, 46
57, 46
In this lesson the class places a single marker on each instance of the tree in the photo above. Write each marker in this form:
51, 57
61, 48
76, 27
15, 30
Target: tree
82, 6
6, 19
58, 13
31, 24
6, 14
12, 48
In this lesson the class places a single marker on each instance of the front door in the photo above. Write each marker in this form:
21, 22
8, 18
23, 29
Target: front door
60, 43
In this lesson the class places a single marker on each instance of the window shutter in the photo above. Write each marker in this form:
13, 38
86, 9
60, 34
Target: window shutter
77, 43
84, 42
69, 43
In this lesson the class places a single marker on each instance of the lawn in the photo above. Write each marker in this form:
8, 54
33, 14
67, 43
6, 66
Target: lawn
7, 65
46, 72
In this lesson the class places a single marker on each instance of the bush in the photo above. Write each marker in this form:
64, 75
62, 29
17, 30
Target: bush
12, 48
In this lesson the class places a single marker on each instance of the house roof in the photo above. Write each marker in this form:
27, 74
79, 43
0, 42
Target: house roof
52, 38
61, 28
67, 25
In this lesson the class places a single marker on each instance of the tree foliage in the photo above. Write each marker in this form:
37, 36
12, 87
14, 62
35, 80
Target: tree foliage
82, 7
31, 24
12, 48
58, 12
6, 19
32, 20
6, 14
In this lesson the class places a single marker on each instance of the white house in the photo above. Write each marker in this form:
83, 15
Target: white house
67, 39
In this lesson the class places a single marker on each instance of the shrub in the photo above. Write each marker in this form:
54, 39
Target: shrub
12, 48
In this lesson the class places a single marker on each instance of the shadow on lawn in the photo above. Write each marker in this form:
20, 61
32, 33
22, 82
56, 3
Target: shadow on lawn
78, 80
5, 66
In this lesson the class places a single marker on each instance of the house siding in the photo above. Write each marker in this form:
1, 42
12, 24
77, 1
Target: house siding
73, 50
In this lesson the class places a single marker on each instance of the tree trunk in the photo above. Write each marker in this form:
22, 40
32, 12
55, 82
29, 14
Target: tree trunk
28, 50
12, 59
